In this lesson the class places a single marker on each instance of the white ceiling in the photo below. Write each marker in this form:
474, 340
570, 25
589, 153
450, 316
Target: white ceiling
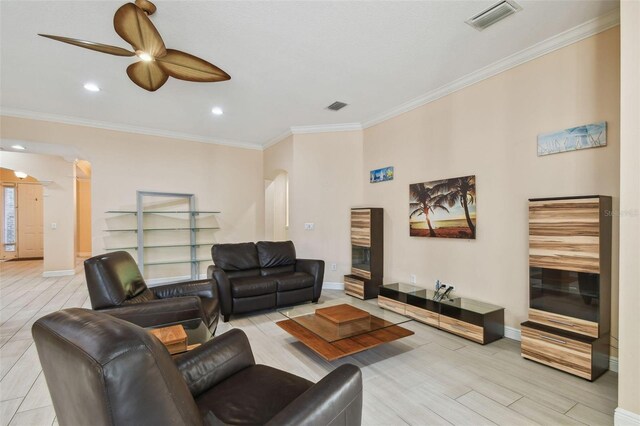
288, 60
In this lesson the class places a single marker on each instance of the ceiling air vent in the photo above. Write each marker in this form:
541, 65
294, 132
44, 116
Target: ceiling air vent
493, 14
336, 106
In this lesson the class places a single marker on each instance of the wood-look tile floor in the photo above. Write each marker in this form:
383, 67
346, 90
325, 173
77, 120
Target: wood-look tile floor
430, 378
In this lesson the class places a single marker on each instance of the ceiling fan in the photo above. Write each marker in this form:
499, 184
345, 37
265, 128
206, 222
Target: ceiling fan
157, 63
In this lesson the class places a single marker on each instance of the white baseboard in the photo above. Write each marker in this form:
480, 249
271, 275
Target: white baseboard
327, 285
158, 281
61, 273
613, 363
512, 333
622, 417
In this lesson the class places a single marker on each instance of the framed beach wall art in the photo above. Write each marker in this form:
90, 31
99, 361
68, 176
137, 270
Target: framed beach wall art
381, 175
443, 208
580, 137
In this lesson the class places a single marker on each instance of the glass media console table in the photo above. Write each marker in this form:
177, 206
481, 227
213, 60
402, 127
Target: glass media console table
474, 320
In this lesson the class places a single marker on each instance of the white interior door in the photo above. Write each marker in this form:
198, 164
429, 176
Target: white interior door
30, 221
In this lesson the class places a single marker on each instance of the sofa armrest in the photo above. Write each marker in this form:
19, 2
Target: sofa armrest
316, 269
214, 361
159, 311
201, 288
335, 400
224, 288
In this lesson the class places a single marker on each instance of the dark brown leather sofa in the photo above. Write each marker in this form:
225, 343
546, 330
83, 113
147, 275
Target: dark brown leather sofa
101, 370
117, 288
263, 275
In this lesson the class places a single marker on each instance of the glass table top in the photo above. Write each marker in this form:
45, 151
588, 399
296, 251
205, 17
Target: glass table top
355, 317
457, 302
471, 305
196, 329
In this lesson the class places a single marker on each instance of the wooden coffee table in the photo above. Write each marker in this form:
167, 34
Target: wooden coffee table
341, 328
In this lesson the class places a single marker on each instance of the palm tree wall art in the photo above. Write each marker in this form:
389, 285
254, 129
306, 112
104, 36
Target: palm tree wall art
443, 208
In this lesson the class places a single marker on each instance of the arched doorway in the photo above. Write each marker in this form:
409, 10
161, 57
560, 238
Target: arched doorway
276, 198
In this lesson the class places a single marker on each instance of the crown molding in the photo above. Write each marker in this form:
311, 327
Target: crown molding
34, 115
277, 139
321, 128
573, 35
325, 128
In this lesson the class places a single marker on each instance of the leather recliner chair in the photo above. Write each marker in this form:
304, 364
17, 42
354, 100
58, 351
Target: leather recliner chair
101, 370
117, 288
263, 275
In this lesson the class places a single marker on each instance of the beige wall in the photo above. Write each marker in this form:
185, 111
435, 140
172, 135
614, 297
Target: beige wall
629, 377
59, 204
83, 216
324, 183
490, 129
222, 178
9, 176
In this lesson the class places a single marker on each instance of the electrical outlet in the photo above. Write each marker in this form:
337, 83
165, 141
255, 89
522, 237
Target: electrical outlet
309, 226
334, 267
412, 279
54, 226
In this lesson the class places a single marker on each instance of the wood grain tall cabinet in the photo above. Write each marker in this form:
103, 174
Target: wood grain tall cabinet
367, 253
569, 284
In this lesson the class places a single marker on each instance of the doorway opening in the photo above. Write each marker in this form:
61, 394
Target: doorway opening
83, 208
276, 197
22, 215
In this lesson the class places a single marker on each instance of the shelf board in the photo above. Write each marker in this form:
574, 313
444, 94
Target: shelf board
163, 246
161, 229
170, 262
194, 212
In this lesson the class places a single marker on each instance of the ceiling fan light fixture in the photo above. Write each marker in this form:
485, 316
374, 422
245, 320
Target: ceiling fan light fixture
216, 111
91, 87
20, 175
144, 56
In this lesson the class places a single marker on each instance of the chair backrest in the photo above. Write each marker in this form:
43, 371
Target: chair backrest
101, 370
276, 256
112, 278
236, 257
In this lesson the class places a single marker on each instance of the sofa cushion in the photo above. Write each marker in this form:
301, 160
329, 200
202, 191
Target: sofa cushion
252, 286
254, 303
276, 253
235, 257
293, 281
233, 402
277, 270
242, 274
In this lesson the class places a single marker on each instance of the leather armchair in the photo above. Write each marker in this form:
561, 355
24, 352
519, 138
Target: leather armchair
117, 288
101, 370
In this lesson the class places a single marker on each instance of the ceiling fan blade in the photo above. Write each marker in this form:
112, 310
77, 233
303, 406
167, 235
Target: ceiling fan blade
98, 47
188, 67
147, 75
134, 26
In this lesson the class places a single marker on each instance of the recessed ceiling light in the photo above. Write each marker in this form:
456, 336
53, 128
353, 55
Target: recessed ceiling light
18, 147
216, 111
92, 87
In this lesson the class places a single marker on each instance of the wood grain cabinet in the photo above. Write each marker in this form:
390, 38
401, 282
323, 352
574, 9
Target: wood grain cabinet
569, 284
367, 251
474, 320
